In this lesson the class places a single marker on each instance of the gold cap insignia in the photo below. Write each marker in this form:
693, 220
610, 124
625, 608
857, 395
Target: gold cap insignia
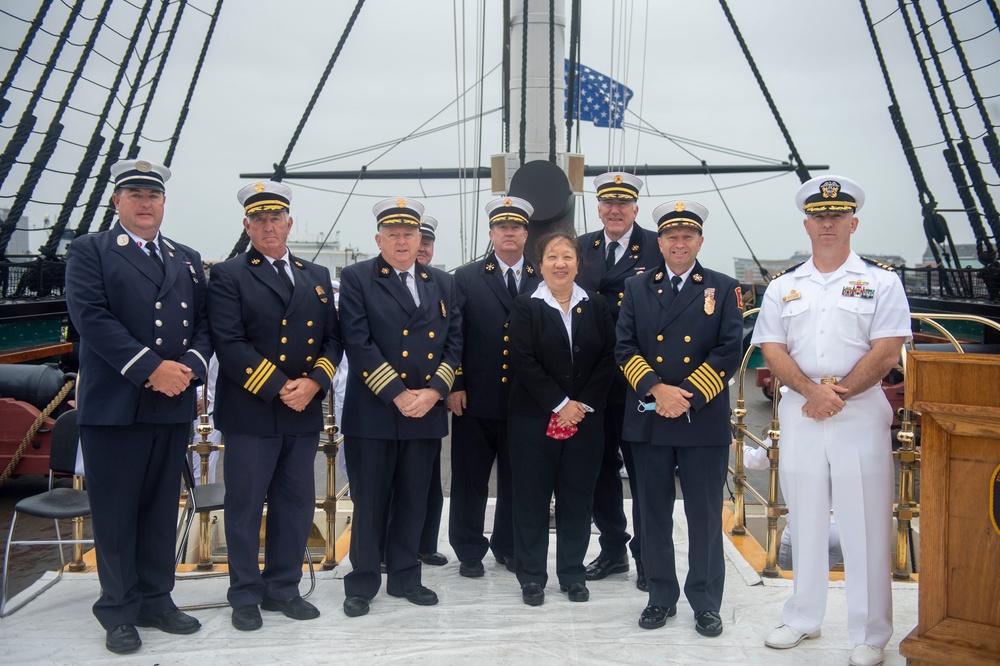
830, 189
259, 187
698, 278
679, 206
401, 202
618, 179
507, 202
122, 240
143, 166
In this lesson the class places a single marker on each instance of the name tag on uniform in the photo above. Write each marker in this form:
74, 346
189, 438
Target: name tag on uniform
791, 296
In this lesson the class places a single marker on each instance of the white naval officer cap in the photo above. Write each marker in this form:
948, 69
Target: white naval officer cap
428, 226
680, 213
617, 185
509, 209
262, 196
829, 193
399, 211
139, 175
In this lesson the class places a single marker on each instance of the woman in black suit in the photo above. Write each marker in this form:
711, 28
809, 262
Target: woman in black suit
562, 356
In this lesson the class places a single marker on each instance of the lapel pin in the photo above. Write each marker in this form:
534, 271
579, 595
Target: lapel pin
122, 240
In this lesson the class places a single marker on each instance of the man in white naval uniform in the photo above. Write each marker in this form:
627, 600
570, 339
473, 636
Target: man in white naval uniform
830, 329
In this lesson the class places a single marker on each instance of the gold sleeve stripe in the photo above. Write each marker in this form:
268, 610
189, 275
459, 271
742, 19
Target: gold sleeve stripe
707, 381
446, 374
381, 378
259, 376
326, 366
636, 369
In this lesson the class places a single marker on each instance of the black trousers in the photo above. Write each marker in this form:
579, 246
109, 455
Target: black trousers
475, 444
540, 466
393, 475
703, 472
134, 482
279, 470
609, 500
430, 534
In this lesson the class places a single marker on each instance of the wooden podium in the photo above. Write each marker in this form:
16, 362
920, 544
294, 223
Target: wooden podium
958, 396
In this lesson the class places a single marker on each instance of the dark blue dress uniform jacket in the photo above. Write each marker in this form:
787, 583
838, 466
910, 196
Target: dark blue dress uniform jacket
642, 254
485, 305
393, 345
131, 318
264, 337
677, 341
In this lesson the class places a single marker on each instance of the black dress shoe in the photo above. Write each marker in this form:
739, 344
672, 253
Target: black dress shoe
355, 606
602, 568
654, 617
640, 578
123, 639
171, 621
471, 569
577, 591
433, 559
708, 623
533, 594
296, 608
421, 596
247, 618
507, 561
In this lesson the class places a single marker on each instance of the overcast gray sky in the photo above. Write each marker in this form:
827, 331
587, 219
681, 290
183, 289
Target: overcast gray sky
399, 68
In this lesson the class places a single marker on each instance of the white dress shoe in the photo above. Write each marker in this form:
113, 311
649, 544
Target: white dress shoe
866, 655
785, 637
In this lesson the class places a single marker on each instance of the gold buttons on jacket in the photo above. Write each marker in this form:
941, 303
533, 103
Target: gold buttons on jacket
659, 291
506, 338
430, 356
405, 353
281, 358
506, 324
364, 374
687, 338
284, 341
687, 359
309, 323
431, 334
659, 338
722, 373
309, 341
427, 378
284, 322
503, 379
249, 371
405, 332
402, 375
621, 294
505, 352
659, 359
309, 358
504, 366
305, 374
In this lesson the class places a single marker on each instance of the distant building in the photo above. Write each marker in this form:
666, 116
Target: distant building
331, 255
18, 243
966, 257
747, 271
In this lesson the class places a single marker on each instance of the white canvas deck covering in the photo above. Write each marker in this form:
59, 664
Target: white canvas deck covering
478, 621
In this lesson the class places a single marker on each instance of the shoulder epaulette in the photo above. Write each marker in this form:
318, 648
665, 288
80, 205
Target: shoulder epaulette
872, 262
790, 269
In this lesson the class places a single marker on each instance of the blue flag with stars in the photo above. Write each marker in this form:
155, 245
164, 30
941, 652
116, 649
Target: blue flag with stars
601, 99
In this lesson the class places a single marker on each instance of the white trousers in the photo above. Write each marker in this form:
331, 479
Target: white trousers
847, 458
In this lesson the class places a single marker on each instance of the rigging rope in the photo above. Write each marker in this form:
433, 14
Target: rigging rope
279, 168
552, 81
478, 130
971, 166
505, 76
572, 86
459, 35
642, 78
524, 82
109, 212
35, 427
103, 175
800, 168
21, 54
23, 132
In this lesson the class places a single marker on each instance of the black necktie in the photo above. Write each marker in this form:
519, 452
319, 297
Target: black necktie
151, 248
279, 265
675, 282
511, 283
612, 246
402, 278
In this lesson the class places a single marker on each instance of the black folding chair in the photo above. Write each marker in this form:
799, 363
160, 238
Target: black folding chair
55, 504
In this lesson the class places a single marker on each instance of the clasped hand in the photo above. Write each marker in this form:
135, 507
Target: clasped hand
671, 401
571, 414
824, 401
170, 378
298, 393
414, 403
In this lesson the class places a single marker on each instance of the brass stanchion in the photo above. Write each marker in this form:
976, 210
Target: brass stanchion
77, 564
330, 503
774, 508
906, 506
204, 449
